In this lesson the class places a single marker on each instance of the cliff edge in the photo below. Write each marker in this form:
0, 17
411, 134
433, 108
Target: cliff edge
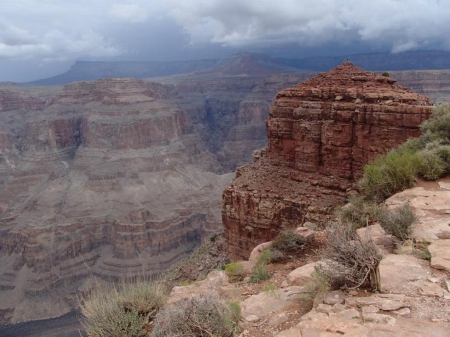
321, 133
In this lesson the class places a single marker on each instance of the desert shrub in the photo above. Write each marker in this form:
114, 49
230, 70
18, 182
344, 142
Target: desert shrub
437, 128
259, 273
203, 315
390, 173
358, 212
125, 310
235, 271
421, 250
398, 221
316, 290
288, 242
433, 166
350, 261
235, 311
386, 74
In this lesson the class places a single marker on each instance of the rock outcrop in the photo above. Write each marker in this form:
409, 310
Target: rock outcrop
321, 133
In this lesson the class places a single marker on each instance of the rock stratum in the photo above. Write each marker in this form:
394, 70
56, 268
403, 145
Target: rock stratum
117, 177
321, 133
104, 179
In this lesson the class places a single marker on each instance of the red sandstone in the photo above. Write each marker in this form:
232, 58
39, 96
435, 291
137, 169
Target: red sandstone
321, 134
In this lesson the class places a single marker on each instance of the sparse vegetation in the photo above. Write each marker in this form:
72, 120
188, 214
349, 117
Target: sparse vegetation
427, 156
390, 173
204, 315
398, 221
421, 250
259, 271
386, 74
235, 271
120, 311
320, 285
288, 241
351, 261
358, 212
270, 290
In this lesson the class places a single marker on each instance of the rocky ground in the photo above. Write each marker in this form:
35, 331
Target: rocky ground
414, 294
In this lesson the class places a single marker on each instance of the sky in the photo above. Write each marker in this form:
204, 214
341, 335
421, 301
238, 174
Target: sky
42, 38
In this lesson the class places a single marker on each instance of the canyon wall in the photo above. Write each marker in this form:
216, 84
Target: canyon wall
104, 179
114, 178
321, 133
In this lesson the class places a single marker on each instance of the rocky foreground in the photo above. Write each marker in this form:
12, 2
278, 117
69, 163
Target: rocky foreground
414, 296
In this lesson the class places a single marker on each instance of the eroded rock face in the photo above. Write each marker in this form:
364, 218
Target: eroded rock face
321, 133
104, 179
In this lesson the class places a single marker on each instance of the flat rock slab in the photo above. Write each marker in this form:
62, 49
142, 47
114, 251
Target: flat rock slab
215, 283
270, 301
397, 270
440, 254
302, 275
378, 235
432, 208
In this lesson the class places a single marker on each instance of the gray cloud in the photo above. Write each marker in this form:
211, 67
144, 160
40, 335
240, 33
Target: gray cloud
131, 13
57, 31
399, 24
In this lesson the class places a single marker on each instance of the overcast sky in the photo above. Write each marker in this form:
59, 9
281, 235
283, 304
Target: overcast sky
41, 38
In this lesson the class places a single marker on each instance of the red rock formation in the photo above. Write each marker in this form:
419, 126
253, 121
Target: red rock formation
321, 133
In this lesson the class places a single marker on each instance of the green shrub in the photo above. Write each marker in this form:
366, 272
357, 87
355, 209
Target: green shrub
390, 173
386, 74
399, 221
125, 310
433, 166
235, 311
235, 271
259, 273
437, 128
203, 315
270, 290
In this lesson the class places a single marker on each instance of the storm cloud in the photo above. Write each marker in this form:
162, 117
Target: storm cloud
47, 32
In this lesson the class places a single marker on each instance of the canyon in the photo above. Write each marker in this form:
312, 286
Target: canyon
116, 178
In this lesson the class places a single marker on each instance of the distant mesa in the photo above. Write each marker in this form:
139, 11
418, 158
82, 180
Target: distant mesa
248, 64
321, 133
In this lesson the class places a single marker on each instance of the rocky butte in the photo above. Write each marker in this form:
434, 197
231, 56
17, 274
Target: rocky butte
320, 134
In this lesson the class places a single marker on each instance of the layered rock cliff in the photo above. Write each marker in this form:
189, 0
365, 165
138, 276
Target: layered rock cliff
321, 133
104, 179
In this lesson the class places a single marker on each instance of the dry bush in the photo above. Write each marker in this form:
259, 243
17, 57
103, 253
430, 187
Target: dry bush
351, 261
398, 221
203, 315
288, 241
286, 244
120, 311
